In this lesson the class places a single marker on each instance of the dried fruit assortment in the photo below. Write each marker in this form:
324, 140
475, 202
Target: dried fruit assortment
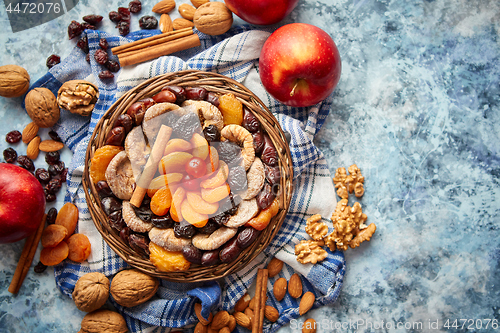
182, 180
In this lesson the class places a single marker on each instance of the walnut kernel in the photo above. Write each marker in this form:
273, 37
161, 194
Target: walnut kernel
316, 229
310, 251
78, 96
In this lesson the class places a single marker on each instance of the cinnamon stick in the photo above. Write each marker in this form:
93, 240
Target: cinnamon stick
159, 50
27, 255
260, 300
129, 46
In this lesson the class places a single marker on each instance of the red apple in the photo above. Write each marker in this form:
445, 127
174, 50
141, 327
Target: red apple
22, 203
261, 12
299, 65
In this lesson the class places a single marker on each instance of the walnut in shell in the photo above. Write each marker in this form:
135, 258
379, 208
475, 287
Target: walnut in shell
213, 18
131, 287
41, 106
103, 321
78, 96
14, 81
91, 291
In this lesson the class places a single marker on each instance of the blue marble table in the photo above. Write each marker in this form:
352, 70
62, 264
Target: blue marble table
417, 109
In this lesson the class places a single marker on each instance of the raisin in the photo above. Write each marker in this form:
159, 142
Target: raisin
179, 92
116, 220
83, 44
53, 186
110, 205
51, 216
113, 66
106, 75
210, 258
229, 151
56, 168
139, 244
162, 222
208, 228
258, 142
103, 43
237, 179
123, 28
269, 154
186, 126
75, 29
265, 197
50, 197
211, 133
135, 6
148, 22
88, 26
101, 56
192, 254
196, 93
250, 121
53, 60
42, 175
212, 98
54, 136
10, 155
124, 13
116, 136
230, 251
246, 237
52, 157
26, 162
92, 19
39, 268
103, 189
62, 176
115, 16
184, 229
125, 121
13, 136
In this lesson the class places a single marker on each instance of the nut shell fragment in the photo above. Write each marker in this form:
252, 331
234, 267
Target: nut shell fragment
78, 96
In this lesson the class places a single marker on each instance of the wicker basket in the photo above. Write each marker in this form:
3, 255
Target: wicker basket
218, 84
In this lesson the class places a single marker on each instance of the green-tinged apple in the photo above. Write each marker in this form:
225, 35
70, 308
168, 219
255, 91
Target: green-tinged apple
299, 65
22, 203
261, 12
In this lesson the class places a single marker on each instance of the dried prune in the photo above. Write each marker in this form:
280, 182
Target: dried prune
125, 121
116, 136
92, 19
179, 92
237, 179
116, 220
135, 6
124, 13
250, 121
196, 93
192, 254
266, 196
269, 154
51, 216
115, 16
49, 197
101, 56
123, 28
139, 244
230, 251
144, 213
110, 205
220, 219
10, 155
229, 151
106, 75
184, 229
54, 136
258, 142
75, 29
52, 157
56, 168
148, 22
53, 60
211, 133
42, 175
162, 222
13, 136
26, 162
186, 126
210, 258
212, 98
246, 237
103, 43
208, 228
113, 66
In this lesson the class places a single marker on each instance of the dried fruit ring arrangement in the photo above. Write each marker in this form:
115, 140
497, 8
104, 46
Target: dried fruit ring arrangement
187, 177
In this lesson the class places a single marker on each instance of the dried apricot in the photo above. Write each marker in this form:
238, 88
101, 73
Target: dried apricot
68, 217
192, 216
261, 221
100, 160
231, 109
212, 160
177, 145
174, 162
167, 261
217, 178
175, 207
215, 194
199, 205
200, 146
53, 234
79, 247
161, 201
51, 256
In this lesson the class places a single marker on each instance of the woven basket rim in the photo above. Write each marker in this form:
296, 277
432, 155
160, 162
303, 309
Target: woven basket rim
212, 82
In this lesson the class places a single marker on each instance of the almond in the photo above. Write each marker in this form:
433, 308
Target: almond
200, 328
309, 326
164, 7
181, 23
251, 305
306, 302
295, 286
33, 148
197, 311
232, 323
225, 329
271, 313
198, 3
166, 23
50, 145
187, 11
249, 314
220, 320
242, 304
30, 131
279, 289
274, 267
242, 319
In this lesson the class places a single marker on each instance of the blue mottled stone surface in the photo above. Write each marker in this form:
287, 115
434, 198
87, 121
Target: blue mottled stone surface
417, 109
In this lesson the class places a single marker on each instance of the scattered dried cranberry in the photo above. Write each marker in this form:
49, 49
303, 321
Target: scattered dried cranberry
115, 17
74, 29
54, 136
52, 157
51, 216
135, 6
87, 58
39, 268
92, 19
86, 26
113, 66
13, 136
124, 13
26, 162
101, 56
42, 175
103, 43
53, 60
123, 28
148, 22
10, 155
106, 75
83, 44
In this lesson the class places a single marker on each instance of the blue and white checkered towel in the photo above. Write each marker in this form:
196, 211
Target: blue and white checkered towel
235, 55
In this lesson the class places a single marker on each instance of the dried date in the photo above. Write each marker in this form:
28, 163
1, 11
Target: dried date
116, 136
192, 254
246, 237
230, 251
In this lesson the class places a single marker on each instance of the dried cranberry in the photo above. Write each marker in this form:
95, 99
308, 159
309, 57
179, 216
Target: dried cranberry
53, 60
184, 229
135, 6
106, 75
39, 268
13, 136
88, 26
56, 168
75, 29
210, 258
10, 155
103, 189
92, 19
101, 56
192, 254
179, 92
115, 17
52, 157
125, 121
103, 43
196, 93
212, 98
250, 121
246, 237
113, 66
26, 162
148, 22
83, 44
269, 154
139, 244
51, 216
42, 175
124, 13
123, 28
53, 186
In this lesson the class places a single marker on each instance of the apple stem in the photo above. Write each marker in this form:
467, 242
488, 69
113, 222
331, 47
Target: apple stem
293, 88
